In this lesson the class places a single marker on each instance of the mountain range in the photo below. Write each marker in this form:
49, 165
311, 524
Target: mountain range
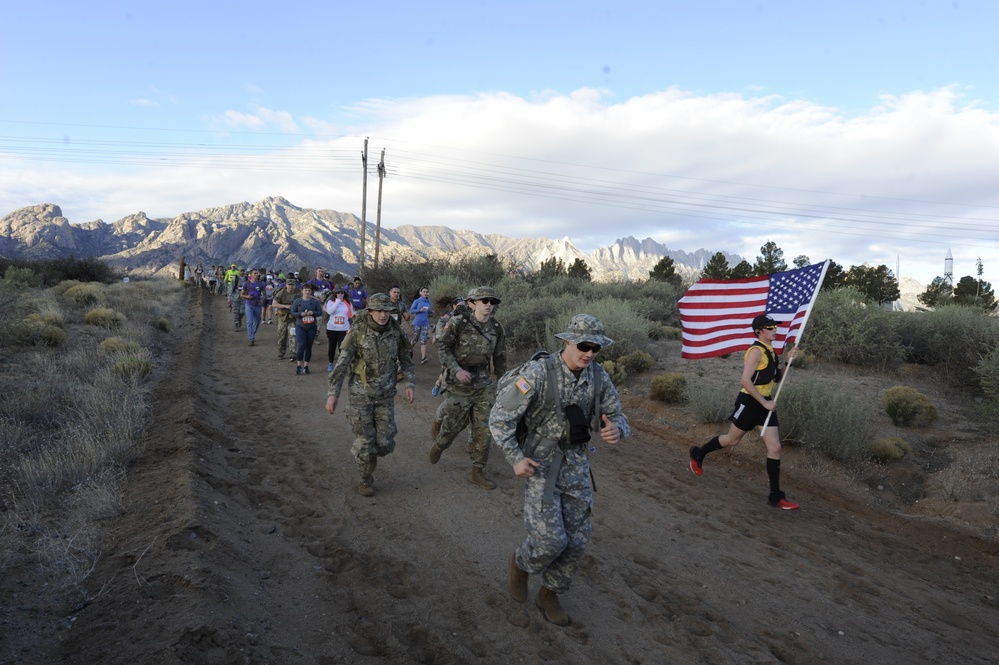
275, 233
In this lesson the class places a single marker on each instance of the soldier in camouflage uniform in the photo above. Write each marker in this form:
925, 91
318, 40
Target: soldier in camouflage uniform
466, 346
283, 299
558, 492
372, 350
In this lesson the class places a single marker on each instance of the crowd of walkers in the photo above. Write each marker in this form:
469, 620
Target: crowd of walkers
540, 415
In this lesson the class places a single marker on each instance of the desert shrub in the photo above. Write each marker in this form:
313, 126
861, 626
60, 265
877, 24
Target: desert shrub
847, 328
804, 360
709, 403
815, 414
137, 367
162, 323
22, 277
654, 300
889, 449
63, 286
38, 330
84, 294
908, 406
669, 388
659, 331
616, 371
953, 339
987, 370
119, 345
105, 318
637, 362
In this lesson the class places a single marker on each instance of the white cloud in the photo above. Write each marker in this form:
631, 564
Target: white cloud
909, 178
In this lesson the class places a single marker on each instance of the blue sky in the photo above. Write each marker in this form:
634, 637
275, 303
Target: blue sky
866, 132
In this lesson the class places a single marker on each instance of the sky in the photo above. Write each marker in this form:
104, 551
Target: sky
862, 131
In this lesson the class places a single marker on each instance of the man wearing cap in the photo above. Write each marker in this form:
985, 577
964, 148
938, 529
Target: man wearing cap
754, 403
374, 347
284, 299
470, 347
561, 398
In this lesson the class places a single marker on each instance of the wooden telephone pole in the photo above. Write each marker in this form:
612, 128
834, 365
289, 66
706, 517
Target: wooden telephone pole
364, 207
378, 220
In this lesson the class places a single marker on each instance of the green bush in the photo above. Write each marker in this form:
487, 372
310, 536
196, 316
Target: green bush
804, 360
847, 328
637, 362
163, 323
709, 403
129, 367
814, 414
669, 388
119, 345
37, 330
63, 286
954, 340
659, 331
105, 318
889, 449
22, 277
84, 294
616, 371
908, 406
987, 370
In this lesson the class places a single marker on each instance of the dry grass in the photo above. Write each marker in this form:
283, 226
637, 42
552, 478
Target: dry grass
71, 421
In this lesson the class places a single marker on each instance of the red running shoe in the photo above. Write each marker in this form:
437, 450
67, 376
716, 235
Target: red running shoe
784, 504
695, 466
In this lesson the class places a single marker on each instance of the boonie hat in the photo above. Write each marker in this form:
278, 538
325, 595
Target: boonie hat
481, 293
380, 302
585, 328
762, 321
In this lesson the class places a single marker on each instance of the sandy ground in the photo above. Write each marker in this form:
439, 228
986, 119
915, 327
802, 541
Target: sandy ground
245, 541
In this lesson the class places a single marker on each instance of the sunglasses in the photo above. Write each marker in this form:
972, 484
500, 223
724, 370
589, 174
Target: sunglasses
490, 301
769, 327
586, 347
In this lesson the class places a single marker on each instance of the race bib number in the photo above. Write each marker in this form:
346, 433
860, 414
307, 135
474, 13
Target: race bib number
308, 319
339, 320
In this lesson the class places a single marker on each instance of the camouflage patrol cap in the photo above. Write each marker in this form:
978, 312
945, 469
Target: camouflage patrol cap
380, 302
585, 328
482, 292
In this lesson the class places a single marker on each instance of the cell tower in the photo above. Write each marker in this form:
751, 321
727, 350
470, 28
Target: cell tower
949, 269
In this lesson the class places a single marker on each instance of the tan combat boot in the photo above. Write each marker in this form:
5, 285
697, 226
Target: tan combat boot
479, 479
365, 490
435, 454
548, 602
517, 583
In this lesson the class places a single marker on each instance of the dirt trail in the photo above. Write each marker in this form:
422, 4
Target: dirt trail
245, 541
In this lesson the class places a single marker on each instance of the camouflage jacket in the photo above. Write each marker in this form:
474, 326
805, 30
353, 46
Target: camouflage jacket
371, 359
285, 297
470, 345
523, 397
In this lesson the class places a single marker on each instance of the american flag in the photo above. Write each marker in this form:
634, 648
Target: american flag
717, 315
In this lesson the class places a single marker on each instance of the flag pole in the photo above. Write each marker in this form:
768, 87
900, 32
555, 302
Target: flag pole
801, 331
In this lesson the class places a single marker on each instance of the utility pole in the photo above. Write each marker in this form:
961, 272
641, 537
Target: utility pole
378, 221
364, 207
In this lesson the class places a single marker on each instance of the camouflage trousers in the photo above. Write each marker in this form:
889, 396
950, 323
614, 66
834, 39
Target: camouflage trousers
460, 409
557, 531
283, 327
238, 311
373, 424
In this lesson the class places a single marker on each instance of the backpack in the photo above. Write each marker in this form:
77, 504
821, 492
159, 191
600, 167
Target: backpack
551, 398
